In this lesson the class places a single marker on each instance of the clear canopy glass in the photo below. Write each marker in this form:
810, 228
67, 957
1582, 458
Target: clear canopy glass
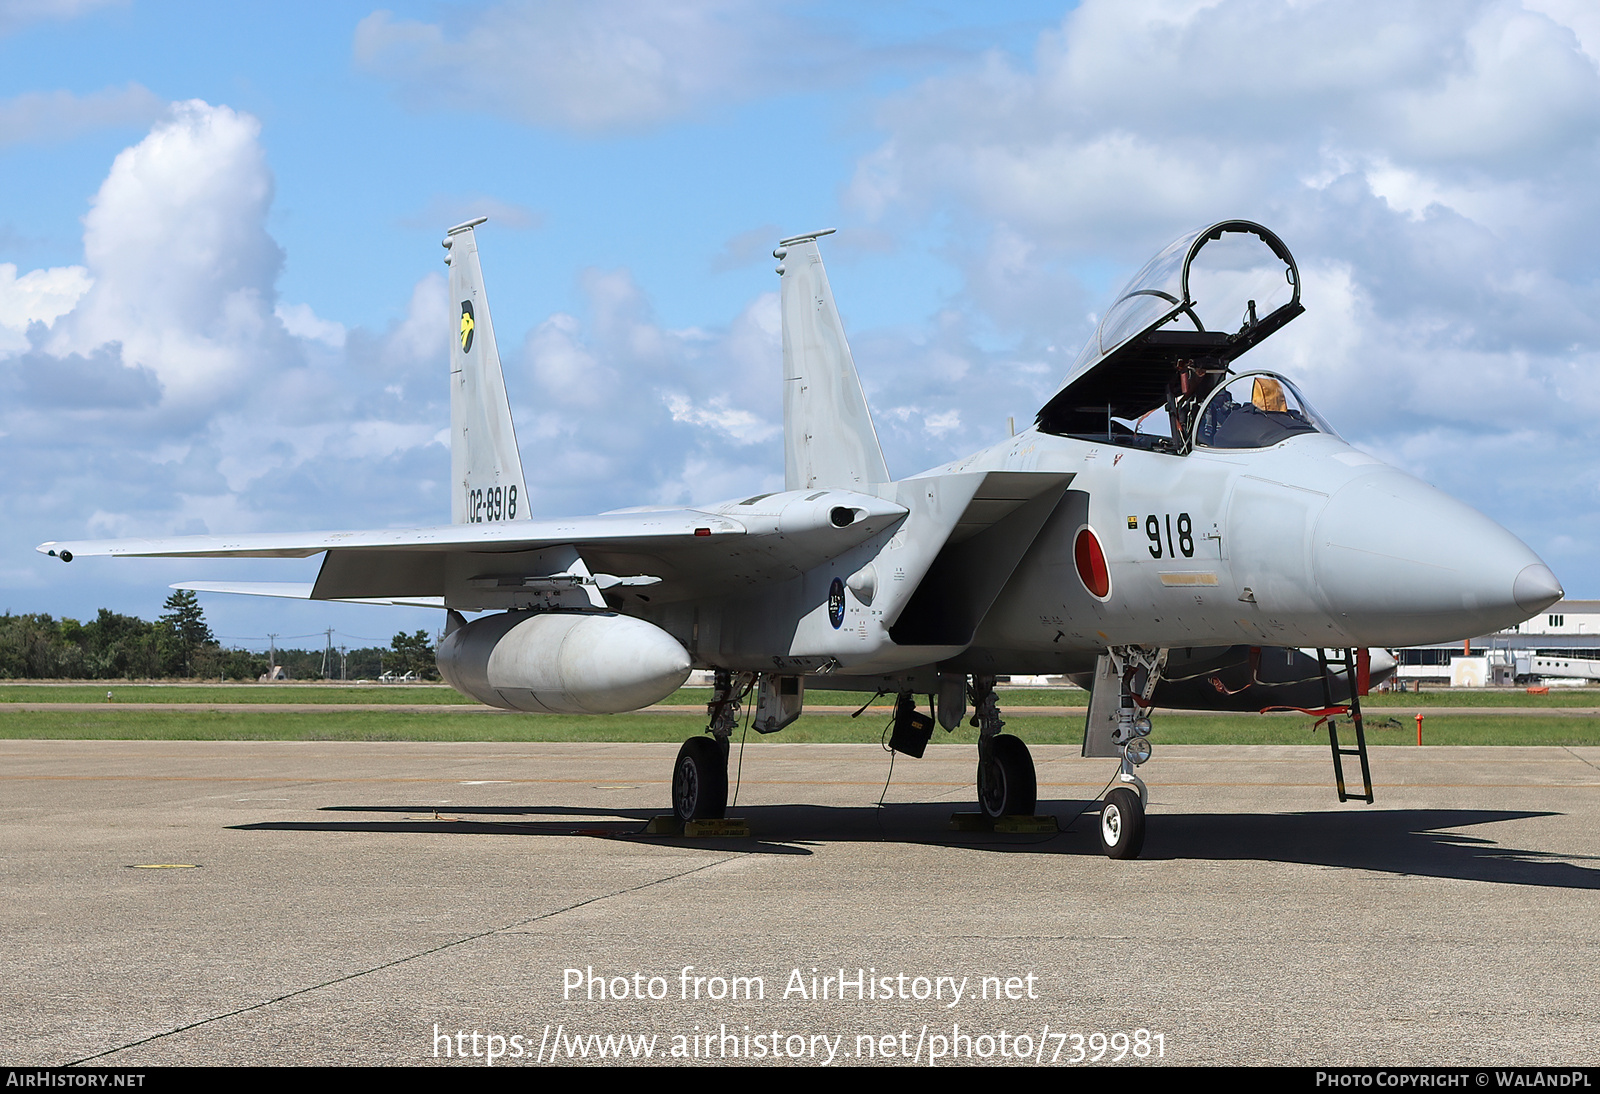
1202, 301
1221, 278
1255, 410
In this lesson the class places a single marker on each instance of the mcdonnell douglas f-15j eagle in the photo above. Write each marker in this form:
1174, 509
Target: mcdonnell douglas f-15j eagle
1168, 526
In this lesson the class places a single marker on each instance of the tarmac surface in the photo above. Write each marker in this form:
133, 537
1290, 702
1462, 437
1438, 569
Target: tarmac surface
338, 902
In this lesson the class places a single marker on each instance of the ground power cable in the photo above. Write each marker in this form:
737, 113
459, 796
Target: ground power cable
883, 743
738, 774
1101, 793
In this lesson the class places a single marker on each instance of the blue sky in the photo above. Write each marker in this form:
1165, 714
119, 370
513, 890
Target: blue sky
221, 296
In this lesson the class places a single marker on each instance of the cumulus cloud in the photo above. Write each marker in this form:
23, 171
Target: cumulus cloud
749, 247
163, 388
614, 409
97, 381
446, 210
59, 115
1579, 16
938, 392
38, 296
16, 14
405, 357
1431, 167
597, 66
302, 322
183, 269
1137, 112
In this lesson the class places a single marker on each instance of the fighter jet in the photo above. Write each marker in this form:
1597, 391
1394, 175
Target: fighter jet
1169, 521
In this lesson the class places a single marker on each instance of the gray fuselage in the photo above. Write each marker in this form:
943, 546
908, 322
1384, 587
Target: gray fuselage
1309, 542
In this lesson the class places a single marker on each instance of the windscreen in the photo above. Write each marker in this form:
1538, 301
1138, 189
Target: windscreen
1256, 410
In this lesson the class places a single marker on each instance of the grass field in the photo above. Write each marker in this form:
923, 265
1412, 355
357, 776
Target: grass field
126, 721
267, 694
441, 695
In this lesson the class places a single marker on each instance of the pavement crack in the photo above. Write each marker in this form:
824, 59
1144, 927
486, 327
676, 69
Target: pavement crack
401, 960
1579, 758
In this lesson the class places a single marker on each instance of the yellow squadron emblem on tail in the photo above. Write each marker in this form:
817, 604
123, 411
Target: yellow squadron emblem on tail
466, 326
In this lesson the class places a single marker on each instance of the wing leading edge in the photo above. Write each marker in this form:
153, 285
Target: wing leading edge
507, 535
528, 563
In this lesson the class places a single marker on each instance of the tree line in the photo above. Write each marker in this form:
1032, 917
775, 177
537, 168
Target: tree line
179, 645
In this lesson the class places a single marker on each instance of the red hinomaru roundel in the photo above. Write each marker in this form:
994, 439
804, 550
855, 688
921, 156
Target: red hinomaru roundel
1091, 562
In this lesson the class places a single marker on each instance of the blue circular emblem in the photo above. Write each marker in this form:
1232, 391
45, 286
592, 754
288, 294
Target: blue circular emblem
836, 603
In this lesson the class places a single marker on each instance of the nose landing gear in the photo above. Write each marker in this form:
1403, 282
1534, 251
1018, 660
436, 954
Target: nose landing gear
1122, 824
1119, 726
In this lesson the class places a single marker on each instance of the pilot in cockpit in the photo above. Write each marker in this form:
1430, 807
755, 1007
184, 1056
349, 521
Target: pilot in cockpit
1272, 414
1189, 387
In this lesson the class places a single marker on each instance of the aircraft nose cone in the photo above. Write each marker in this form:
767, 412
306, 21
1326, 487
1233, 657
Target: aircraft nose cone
1401, 563
1536, 588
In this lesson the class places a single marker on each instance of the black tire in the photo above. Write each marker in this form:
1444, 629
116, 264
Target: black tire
700, 781
1122, 824
1007, 784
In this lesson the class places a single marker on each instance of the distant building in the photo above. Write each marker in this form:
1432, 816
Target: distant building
1560, 645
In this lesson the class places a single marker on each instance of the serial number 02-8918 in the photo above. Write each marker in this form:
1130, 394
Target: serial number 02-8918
495, 503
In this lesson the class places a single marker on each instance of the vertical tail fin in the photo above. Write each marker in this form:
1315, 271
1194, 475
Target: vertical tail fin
828, 438
485, 466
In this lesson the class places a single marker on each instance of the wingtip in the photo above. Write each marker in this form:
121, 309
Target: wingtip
806, 237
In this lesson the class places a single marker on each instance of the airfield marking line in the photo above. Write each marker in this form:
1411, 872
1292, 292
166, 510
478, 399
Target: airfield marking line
442, 782
283, 780
752, 782
401, 960
1402, 786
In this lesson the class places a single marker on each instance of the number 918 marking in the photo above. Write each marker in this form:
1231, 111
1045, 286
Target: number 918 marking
1185, 540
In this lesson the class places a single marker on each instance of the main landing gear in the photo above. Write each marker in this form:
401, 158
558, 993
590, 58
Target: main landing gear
1007, 783
700, 775
700, 780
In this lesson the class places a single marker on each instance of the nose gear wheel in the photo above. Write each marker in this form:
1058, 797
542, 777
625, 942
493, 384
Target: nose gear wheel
1122, 824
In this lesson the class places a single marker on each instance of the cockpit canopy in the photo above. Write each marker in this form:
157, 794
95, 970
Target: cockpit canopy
1170, 335
1255, 410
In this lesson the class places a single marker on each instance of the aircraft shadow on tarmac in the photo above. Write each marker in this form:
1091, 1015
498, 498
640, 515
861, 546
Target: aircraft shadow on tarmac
1404, 842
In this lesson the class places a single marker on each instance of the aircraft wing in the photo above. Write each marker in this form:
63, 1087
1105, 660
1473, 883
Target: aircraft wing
512, 535
677, 552
300, 590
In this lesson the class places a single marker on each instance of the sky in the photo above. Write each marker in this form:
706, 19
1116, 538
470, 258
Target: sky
222, 297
